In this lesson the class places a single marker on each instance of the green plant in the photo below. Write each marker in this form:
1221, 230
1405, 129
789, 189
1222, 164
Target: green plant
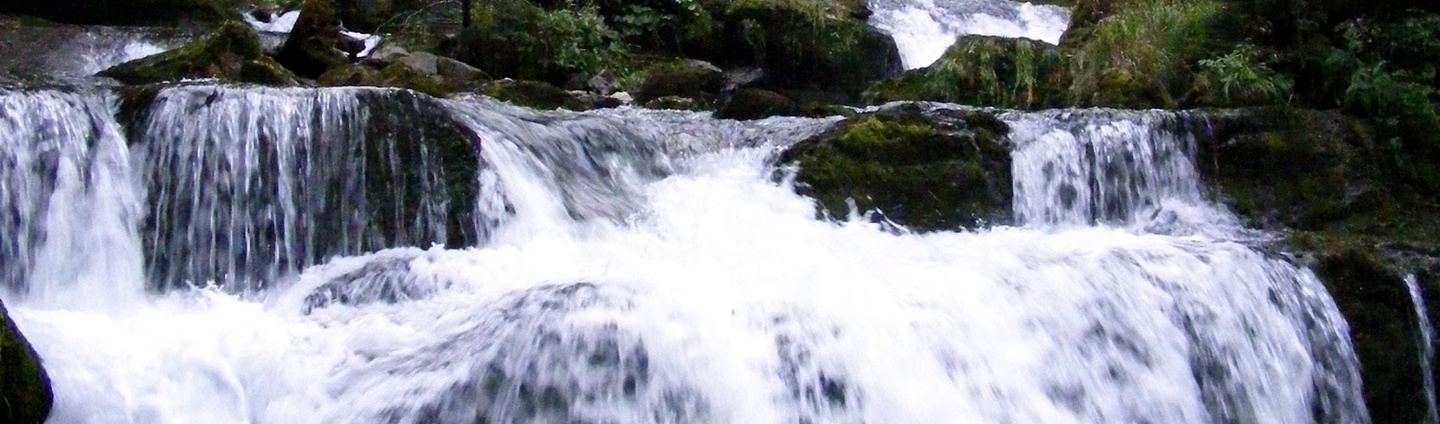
1141, 55
1405, 117
1241, 77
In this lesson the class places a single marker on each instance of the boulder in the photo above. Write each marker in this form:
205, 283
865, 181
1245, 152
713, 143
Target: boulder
315, 44
533, 94
231, 53
674, 103
927, 170
379, 74
692, 79
458, 72
977, 70
754, 103
24, 385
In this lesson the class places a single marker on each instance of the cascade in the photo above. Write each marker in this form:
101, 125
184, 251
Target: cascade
624, 266
923, 29
1427, 347
247, 185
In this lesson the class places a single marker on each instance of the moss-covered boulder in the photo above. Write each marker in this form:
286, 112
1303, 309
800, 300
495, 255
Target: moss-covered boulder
127, 12
232, 53
395, 75
984, 71
754, 103
692, 79
929, 171
315, 45
534, 94
24, 385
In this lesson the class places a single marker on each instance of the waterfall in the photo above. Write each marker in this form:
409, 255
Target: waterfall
272, 180
369, 265
923, 29
1427, 348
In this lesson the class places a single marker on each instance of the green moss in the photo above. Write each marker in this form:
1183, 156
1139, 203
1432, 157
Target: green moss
533, 94
984, 71
24, 385
231, 53
391, 75
908, 166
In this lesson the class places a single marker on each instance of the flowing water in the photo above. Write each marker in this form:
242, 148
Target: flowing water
221, 254
923, 29
625, 266
1427, 348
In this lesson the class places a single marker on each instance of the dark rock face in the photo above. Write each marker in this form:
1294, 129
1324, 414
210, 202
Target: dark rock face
364, 170
937, 170
1371, 292
754, 103
1314, 176
125, 12
1293, 168
231, 53
24, 385
315, 44
691, 79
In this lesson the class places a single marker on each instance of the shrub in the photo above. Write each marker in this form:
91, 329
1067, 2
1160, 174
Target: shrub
1242, 78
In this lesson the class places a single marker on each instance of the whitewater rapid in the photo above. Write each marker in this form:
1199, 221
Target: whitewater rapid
923, 29
645, 266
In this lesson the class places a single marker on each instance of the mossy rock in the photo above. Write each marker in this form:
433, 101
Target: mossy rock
127, 12
1296, 168
533, 94
685, 78
984, 71
231, 53
929, 171
675, 103
395, 75
24, 384
754, 103
314, 44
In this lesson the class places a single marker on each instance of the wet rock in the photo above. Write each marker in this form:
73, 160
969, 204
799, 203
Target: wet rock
380, 74
315, 44
1295, 168
927, 170
533, 94
1368, 285
691, 79
385, 279
754, 103
231, 53
24, 384
674, 103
